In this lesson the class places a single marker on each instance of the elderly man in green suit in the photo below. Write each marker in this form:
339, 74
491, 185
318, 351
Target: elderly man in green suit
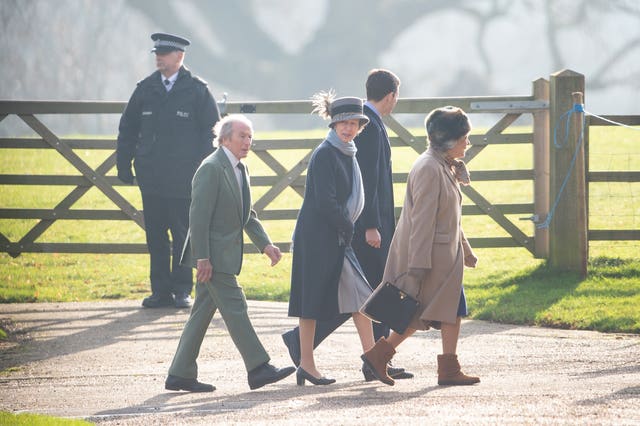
219, 213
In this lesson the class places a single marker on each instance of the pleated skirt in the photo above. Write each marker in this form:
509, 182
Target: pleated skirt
353, 288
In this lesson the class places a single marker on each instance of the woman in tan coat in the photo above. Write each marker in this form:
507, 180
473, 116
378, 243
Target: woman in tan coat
429, 250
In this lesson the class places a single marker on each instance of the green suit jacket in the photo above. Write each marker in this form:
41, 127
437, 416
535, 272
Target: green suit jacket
217, 217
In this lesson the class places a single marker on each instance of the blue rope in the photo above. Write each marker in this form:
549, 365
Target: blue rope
567, 117
568, 114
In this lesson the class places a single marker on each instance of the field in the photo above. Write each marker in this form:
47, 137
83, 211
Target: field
509, 285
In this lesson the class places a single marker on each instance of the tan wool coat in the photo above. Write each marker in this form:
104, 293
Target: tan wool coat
429, 235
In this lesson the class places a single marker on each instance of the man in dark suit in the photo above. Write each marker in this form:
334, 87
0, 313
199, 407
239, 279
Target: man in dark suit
375, 226
220, 212
166, 131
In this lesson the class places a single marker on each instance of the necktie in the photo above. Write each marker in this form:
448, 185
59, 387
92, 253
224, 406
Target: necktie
245, 187
167, 82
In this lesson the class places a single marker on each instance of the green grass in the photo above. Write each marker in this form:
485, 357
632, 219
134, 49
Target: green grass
27, 419
537, 295
508, 286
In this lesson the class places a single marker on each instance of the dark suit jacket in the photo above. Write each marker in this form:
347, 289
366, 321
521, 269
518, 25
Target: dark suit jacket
217, 218
374, 159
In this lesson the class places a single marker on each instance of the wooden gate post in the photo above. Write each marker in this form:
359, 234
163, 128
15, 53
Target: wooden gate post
541, 168
568, 243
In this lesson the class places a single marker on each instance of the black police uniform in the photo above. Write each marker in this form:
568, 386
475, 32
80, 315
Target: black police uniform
166, 134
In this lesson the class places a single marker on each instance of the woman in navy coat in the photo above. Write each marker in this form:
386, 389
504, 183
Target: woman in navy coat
326, 278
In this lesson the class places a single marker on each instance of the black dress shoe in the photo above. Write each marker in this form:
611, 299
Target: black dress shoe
399, 373
393, 372
176, 383
182, 301
266, 374
291, 340
157, 301
302, 375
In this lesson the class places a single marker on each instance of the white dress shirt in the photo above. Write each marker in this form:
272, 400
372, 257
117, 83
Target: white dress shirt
234, 162
171, 79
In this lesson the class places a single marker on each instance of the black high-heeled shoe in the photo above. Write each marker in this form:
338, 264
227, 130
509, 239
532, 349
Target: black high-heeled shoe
302, 375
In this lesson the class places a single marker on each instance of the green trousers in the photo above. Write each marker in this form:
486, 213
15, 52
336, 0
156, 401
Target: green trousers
223, 293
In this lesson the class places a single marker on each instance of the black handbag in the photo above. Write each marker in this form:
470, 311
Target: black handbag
391, 306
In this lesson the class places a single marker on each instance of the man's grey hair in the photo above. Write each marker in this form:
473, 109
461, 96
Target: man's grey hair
224, 127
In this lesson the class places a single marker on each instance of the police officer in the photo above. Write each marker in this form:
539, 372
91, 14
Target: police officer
166, 130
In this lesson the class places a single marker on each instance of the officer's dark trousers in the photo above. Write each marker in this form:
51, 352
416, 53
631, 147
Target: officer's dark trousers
161, 216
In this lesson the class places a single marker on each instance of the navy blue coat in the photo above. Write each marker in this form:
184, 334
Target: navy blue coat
374, 159
322, 221
167, 134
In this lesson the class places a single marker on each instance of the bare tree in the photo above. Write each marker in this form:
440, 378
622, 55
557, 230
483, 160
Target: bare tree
335, 57
50, 53
84, 49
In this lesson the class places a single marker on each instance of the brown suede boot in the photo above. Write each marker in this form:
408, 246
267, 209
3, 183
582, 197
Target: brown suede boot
449, 373
377, 358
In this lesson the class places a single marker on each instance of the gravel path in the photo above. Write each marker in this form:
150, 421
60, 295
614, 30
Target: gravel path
106, 362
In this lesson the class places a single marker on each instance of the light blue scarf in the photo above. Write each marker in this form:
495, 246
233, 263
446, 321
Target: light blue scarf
351, 273
355, 202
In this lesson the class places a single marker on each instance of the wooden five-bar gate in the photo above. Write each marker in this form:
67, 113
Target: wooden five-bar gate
545, 104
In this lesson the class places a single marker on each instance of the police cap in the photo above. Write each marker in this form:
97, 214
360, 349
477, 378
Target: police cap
165, 43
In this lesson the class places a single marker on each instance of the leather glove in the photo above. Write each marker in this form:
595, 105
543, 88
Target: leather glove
418, 274
345, 237
344, 240
348, 238
125, 175
415, 277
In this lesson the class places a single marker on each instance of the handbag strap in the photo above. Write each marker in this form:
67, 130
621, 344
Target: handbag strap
402, 275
